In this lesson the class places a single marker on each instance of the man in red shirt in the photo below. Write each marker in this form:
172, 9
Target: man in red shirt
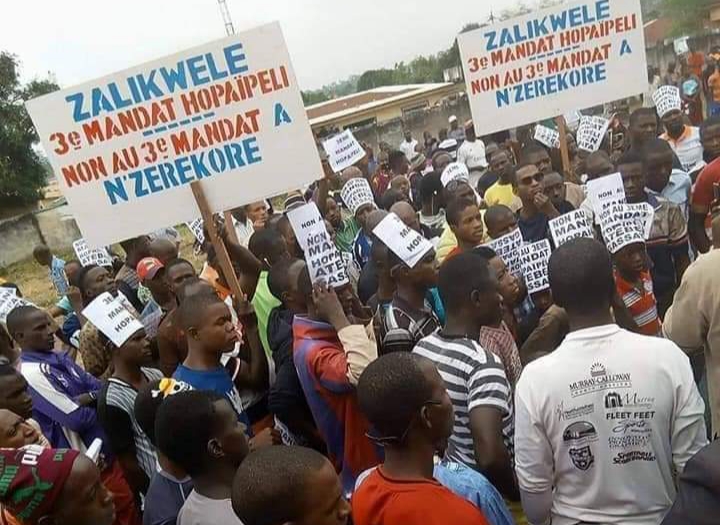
405, 400
703, 193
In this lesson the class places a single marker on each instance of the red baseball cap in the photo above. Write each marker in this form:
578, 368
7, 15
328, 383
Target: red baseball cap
148, 267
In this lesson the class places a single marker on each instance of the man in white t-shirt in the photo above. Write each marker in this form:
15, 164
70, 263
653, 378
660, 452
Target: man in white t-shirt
605, 421
408, 145
472, 154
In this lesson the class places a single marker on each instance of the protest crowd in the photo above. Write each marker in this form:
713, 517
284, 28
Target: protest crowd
456, 329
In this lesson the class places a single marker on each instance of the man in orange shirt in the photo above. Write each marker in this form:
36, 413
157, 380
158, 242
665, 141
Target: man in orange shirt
405, 400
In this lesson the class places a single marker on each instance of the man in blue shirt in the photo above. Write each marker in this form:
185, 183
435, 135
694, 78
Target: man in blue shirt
64, 398
210, 333
45, 257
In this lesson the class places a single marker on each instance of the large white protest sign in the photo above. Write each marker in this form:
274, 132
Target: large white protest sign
9, 301
570, 226
605, 191
343, 150
88, 256
406, 243
547, 136
507, 248
534, 258
323, 258
197, 229
356, 193
571, 56
591, 133
126, 147
111, 316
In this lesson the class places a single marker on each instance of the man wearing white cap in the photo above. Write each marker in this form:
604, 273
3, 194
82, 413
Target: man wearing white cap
684, 140
456, 132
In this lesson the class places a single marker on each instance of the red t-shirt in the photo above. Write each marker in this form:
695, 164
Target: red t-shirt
380, 500
703, 191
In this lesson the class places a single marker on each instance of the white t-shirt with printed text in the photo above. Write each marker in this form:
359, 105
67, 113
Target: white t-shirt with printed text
603, 422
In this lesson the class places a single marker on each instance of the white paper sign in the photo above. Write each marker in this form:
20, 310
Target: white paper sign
357, 193
404, 242
110, 315
667, 99
88, 256
681, 45
126, 147
534, 259
323, 258
454, 171
572, 120
591, 133
9, 301
641, 213
570, 226
605, 191
571, 56
343, 151
196, 227
547, 136
622, 234
507, 248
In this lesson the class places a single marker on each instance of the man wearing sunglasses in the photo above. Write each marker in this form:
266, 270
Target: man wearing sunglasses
537, 208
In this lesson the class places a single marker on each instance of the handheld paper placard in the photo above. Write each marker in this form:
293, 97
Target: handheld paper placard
641, 213
507, 248
534, 259
322, 256
406, 243
454, 171
196, 227
591, 133
110, 315
343, 150
356, 193
547, 136
572, 120
570, 226
622, 234
88, 256
667, 99
9, 301
605, 191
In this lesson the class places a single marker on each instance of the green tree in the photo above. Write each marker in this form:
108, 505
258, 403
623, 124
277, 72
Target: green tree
22, 171
688, 16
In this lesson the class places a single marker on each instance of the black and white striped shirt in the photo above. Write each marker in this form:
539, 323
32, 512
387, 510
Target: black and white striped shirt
474, 378
116, 411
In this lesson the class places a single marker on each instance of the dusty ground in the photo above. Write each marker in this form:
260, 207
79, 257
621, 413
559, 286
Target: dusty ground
34, 281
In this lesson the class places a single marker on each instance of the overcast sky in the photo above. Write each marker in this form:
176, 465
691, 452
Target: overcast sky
328, 39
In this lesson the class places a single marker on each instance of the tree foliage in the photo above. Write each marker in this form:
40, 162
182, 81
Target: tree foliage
688, 16
22, 171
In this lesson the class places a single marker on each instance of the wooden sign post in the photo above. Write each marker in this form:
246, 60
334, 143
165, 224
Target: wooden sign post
568, 175
222, 254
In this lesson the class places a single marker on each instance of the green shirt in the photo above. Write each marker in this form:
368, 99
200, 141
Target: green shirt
263, 301
345, 234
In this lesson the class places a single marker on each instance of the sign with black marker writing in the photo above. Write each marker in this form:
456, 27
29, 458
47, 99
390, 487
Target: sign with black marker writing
404, 242
570, 226
507, 248
534, 258
343, 150
111, 316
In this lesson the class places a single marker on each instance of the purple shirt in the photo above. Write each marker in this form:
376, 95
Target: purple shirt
55, 382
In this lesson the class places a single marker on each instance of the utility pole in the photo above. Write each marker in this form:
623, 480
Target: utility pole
225, 12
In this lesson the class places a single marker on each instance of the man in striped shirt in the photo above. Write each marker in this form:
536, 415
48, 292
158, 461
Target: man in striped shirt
483, 428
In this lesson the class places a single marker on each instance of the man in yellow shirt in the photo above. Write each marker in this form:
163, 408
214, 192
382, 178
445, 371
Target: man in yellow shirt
502, 191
